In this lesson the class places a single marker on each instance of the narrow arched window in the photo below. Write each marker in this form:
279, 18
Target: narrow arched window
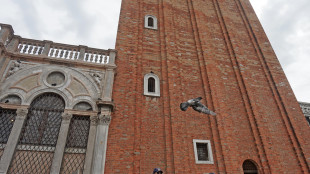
150, 22
249, 167
151, 85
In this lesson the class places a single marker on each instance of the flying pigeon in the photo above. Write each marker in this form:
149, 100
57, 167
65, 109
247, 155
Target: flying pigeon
196, 105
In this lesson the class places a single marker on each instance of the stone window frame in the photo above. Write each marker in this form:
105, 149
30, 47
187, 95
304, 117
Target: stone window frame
157, 85
210, 155
146, 22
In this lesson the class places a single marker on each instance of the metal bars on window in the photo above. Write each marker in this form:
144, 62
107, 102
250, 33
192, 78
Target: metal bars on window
7, 118
202, 151
36, 146
75, 151
249, 167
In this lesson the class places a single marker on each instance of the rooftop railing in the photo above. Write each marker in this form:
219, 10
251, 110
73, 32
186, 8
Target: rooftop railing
23, 46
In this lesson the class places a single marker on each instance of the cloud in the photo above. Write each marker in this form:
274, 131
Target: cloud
78, 22
287, 25
94, 23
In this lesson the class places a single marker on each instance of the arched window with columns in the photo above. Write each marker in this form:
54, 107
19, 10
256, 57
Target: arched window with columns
38, 139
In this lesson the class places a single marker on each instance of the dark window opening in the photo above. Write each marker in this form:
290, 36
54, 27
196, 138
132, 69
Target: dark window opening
249, 167
78, 132
151, 84
202, 151
150, 22
43, 120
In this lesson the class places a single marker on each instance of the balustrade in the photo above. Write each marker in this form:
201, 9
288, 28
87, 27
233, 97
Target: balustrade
64, 52
54, 50
30, 47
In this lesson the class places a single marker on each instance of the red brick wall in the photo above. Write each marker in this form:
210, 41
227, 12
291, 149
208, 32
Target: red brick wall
215, 49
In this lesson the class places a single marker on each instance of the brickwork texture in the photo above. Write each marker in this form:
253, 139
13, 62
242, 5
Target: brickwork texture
216, 49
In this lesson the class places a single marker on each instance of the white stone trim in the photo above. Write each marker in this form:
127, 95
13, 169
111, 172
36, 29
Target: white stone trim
146, 22
210, 155
157, 85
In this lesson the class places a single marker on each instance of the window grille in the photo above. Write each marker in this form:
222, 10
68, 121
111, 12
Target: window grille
37, 143
202, 151
151, 84
7, 119
76, 145
249, 167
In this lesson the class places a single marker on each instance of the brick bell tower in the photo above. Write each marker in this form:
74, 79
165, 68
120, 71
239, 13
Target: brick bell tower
170, 51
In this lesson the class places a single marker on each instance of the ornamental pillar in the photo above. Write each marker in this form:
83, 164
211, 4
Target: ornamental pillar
61, 143
101, 139
90, 144
21, 115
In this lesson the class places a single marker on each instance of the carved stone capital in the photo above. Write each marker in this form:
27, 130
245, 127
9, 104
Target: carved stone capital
93, 120
66, 117
21, 113
105, 119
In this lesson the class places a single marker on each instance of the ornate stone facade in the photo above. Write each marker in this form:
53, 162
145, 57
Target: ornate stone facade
80, 76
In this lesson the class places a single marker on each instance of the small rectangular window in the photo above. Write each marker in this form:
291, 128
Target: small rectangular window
203, 152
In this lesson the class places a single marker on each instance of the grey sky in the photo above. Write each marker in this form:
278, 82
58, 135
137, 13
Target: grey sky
94, 23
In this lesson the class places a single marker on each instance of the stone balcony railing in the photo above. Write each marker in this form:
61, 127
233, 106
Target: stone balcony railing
18, 45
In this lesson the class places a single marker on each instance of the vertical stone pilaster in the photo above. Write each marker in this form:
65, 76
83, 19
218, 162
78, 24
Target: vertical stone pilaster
101, 140
12, 46
13, 140
47, 47
61, 143
82, 52
90, 144
108, 85
5, 32
112, 56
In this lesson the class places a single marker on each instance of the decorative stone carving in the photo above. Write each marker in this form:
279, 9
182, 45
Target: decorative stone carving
16, 65
97, 77
66, 117
305, 107
104, 119
21, 113
93, 120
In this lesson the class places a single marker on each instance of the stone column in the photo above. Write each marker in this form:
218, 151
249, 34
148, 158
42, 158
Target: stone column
90, 144
13, 140
101, 140
61, 143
